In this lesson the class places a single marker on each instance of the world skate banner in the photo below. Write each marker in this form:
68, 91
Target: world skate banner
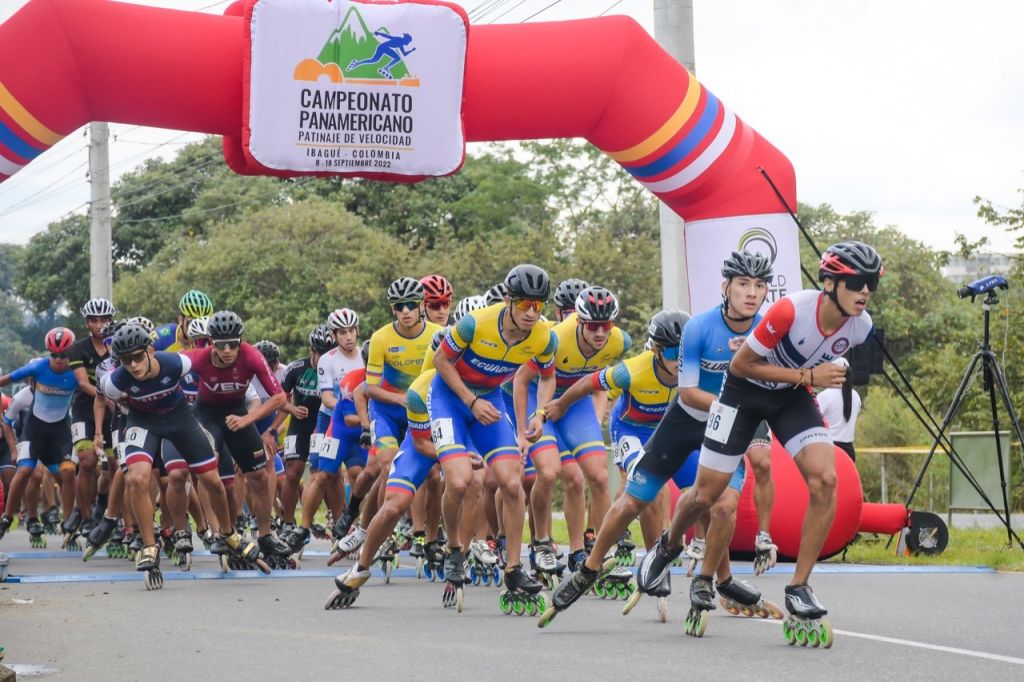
709, 243
358, 88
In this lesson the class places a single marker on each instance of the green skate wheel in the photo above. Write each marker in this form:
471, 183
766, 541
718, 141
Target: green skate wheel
547, 617
531, 608
825, 635
600, 591
801, 635
542, 603
788, 633
622, 590
504, 604
812, 637
518, 607
701, 624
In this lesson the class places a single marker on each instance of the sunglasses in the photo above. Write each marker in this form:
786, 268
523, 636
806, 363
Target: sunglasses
858, 282
524, 304
59, 356
132, 358
227, 344
94, 318
405, 306
599, 326
439, 305
670, 353
201, 343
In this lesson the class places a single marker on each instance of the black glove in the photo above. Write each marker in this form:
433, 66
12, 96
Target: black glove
365, 439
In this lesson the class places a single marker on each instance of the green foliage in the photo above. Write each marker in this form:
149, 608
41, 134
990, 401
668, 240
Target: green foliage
1010, 219
54, 267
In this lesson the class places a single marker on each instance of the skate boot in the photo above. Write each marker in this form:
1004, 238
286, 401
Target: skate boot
805, 623
70, 529
455, 578
51, 520
654, 578
277, 552
320, 532
240, 554
501, 550
348, 545
694, 555
343, 525
183, 548
546, 565
5, 525
738, 597
86, 527
116, 548
165, 539
297, 538
433, 561
403, 533
576, 559
571, 589
625, 550
99, 536
35, 533
388, 557
418, 552
206, 536
766, 552
702, 600
347, 588
589, 538
483, 564
617, 583
521, 594
149, 563
133, 540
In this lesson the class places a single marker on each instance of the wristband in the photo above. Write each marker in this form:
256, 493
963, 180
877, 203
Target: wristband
543, 412
473, 402
803, 379
272, 432
812, 377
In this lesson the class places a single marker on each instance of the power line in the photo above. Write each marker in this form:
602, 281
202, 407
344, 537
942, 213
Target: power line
540, 11
613, 6
510, 9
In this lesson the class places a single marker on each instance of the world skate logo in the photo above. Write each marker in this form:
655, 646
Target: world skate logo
840, 345
354, 54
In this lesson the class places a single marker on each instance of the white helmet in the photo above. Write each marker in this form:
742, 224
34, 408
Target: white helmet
342, 318
467, 305
143, 322
197, 328
98, 307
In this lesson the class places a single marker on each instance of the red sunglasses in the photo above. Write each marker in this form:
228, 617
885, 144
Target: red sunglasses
597, 326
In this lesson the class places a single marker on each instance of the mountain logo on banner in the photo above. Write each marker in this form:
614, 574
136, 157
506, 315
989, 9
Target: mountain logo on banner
356, 55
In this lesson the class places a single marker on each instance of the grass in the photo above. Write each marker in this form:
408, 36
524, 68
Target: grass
967, 547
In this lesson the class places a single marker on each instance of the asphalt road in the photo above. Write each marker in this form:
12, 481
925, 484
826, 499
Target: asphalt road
103, 625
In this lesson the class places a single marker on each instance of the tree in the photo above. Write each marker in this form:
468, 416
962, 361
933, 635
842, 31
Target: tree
54, 267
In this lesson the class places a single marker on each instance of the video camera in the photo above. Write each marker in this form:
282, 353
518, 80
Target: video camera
981, 286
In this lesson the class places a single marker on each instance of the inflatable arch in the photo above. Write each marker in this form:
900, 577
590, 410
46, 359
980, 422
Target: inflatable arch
68, 62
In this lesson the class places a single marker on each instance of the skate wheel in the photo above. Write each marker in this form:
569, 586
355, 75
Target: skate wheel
332, 601
690, 568
633, 600
701, 625
224, 565
547, 617
387, 572
624, 591
459, 599
789, 633
186, 562
772, 609
662, 609
747, 611
262, 566
801, 635
89, 551
542, 603
729, 605
518, 607
504, 604
825, 635
497, 580
812, 637
334, 558
419, 568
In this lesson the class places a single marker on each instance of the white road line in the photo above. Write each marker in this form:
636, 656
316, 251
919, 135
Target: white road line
919, 645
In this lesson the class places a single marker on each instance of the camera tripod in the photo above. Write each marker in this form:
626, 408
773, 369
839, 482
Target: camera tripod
993, 380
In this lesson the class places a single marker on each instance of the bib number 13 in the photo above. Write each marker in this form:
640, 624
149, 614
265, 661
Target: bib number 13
720, 422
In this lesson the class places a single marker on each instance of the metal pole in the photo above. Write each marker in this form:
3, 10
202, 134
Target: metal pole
673, 29
101, 277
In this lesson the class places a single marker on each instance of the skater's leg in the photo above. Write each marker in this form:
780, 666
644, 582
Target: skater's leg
139, 488
575, 503
697, 501
261, 503
66, 477
509, 473
490, 502
220, 516
435, 490
312, 496
396, 502
19, 484
651, 519
293, 469
472, 508
85, 482
719, 534
595, 472
418, 511
764, 486
620, 515
548, 463
458, 475
176, 497
816, 462
334, 494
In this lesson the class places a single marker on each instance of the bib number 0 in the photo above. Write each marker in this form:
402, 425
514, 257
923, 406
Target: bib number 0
720, 421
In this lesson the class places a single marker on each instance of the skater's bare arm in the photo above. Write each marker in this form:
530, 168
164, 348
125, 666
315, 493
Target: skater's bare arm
12, 442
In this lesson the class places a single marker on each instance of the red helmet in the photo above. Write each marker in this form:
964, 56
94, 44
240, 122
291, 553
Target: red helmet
436, 288
59, 340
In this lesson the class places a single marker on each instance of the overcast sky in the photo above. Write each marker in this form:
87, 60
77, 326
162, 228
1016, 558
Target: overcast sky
908, 109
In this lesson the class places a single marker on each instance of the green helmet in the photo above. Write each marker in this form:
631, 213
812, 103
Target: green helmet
195, 304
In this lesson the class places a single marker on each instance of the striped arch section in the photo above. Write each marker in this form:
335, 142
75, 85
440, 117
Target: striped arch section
685, 146
22, 136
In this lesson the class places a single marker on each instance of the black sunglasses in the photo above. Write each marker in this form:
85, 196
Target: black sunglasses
227, 344
406, 305
59, 356
858, 282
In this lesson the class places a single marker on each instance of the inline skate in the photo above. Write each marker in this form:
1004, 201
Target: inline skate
805, 623
740, 598
521, 594
572, 588
702, 600
654, 577
347, 588
149, 563
455, 579
766, 552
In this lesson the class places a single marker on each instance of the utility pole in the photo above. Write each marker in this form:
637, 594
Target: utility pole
673, 29
101, 273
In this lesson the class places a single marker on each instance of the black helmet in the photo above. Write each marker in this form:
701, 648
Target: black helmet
848, 259
567, 291
666, 327
364, 351
320, 339
271, 353
225, 324
495, 294
528, 281
130, 338
110, 328
98, 307
596, 304
405, 289
747, 264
